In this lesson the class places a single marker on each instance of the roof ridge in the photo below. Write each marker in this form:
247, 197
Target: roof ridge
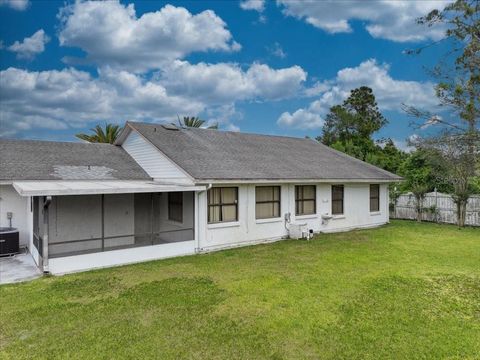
223, 131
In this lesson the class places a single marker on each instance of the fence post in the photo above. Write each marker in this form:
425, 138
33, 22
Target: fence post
436, 205
395, 199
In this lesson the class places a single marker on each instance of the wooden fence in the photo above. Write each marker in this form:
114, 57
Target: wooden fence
437, 207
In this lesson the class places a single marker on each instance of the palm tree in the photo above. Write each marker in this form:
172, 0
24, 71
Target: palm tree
196, 122
108, 136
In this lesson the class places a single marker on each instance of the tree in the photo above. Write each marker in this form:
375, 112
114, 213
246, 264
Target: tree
458, 90
363, 105
356, 120
109, 135
390, 157
349, 128
452, 167
196, 122
419, 178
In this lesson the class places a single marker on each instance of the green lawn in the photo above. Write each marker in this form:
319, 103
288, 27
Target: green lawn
405, 290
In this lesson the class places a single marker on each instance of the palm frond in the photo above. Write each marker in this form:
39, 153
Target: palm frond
195, 122
108, 136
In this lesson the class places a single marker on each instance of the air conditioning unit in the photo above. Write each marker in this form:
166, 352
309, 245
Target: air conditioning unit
300, 231
9, 244
295, 231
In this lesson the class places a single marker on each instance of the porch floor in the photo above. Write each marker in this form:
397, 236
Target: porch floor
18, 268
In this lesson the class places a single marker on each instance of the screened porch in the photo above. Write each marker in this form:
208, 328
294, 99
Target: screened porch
85, 224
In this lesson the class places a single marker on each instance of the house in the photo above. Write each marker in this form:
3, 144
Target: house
162, 191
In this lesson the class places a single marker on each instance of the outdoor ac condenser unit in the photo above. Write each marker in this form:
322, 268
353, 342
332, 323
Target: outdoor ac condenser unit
298, 231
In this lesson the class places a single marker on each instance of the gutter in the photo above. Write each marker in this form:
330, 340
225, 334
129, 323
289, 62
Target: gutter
298, 181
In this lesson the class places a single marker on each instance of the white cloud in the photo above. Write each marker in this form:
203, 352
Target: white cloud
111, 34
19, 5
233, 127
126, 49
71, 98
302, 119
390, 93
225, 116
225, 82
317, 89
386, 19
256, 5
30, 46
262, 19
276, 50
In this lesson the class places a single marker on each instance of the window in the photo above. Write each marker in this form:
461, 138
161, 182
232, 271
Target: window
337, 199
374, 197
222, 204
267, 202
305, 199
175, 206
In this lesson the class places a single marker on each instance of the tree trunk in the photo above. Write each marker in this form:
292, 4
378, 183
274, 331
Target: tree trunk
419, 208
461, 213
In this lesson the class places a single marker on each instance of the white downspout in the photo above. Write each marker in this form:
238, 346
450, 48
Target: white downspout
46, 233
197, 220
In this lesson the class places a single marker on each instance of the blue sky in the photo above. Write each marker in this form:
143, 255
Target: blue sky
271, 67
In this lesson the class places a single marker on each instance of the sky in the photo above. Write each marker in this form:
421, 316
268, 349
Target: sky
272, 67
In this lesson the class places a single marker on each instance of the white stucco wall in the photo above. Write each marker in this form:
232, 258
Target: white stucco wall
250, 230
11, 201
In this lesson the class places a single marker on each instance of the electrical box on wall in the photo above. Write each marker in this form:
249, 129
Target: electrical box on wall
9, 217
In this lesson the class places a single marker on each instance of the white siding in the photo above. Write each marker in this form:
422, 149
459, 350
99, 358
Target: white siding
249, 230
156, 164
11, 201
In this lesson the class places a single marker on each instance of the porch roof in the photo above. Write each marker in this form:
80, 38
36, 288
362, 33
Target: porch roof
45, 188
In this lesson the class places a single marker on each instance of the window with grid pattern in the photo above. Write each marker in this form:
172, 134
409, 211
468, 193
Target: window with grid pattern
175, 206
267, 202
337, 199
222, 204
305, 199
374, 197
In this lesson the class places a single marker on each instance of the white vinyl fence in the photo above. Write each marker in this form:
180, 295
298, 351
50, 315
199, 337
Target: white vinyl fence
437, 207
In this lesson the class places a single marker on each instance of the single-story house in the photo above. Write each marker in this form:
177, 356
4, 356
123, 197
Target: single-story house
162, 191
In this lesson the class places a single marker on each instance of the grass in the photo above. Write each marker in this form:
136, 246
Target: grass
405, 290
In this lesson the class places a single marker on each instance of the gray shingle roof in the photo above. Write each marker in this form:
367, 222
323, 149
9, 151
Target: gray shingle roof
220, 155
49, 160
